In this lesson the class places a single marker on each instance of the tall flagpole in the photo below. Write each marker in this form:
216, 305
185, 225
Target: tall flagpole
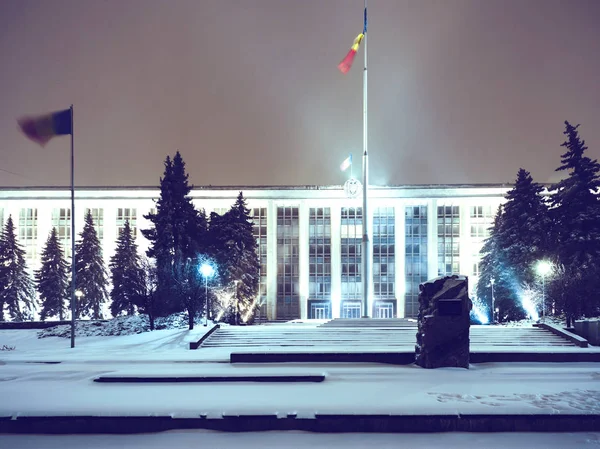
73, 305
366, 256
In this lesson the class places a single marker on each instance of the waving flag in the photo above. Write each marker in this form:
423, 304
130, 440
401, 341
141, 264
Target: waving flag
42, 128
347, 163
346, 63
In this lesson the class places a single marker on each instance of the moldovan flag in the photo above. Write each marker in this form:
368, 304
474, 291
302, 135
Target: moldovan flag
42, 128
346, 63
347, 163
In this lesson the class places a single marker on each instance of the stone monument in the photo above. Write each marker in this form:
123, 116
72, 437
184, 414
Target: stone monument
443, 332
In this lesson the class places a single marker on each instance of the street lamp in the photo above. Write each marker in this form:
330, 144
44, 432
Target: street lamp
78, 294
207, 271
492, 282
543, 268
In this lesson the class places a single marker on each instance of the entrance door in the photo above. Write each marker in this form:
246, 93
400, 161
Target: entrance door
320, 311
351, 310
385, 310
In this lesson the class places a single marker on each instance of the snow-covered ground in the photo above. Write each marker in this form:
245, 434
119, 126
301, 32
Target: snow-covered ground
31, 388
304, 440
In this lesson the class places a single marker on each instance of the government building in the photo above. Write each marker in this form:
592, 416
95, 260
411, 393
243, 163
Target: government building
309, 237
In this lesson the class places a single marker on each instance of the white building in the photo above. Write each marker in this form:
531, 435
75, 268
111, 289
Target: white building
309, 237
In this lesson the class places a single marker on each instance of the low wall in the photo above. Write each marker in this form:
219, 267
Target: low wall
36, 324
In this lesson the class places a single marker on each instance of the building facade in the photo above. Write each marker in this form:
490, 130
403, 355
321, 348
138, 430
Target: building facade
309, 237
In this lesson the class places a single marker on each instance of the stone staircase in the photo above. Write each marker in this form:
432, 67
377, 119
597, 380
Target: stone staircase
373, 335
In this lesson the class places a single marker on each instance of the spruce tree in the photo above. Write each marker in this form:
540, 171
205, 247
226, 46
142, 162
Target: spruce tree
53, 279
494, 266
90, 272
235, 250
145, 297
17, 291
125, 273
524, 233
177, 236
576, 213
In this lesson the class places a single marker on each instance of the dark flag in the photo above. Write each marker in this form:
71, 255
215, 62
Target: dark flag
42, 128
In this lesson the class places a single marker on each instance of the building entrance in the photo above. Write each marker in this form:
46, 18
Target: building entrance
319, 310
351, 309
384, 310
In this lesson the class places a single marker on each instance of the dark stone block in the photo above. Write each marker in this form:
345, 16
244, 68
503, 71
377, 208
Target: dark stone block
451, 307
443, 323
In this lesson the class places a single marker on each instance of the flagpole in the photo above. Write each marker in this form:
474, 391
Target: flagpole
366, 257
73, 305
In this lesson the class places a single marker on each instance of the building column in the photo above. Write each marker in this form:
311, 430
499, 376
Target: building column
432, 240
271, 260
464, 257
400, 260
303, 258
336, 260
370, 299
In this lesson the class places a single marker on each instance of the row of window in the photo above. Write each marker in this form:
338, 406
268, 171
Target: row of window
416, 228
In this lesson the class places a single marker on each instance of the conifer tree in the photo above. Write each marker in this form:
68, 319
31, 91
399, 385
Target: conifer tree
576, 214
90, 272
524, 234
145, 297
235, 250
125, 273
177, 236
53, 279
494, 266
17, 291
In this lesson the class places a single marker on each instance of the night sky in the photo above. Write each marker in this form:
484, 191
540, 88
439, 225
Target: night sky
460, 91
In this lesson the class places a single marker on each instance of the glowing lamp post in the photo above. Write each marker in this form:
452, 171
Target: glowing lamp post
492, 282
207, 271
78, 294
543, 268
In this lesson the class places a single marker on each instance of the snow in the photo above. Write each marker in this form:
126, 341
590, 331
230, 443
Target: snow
30, 386
304, 440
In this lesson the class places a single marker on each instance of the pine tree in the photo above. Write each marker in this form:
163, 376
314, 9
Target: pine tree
52, 279
525, 227
178, 235
17, 291
125, 273
145, 297
90, 272
494, 266
235, 250
576, 214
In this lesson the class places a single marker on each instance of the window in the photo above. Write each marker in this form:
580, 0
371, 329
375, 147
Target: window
288, 263
481, 220
98, 219
127, 214
28, 219
384, 253
259, 230
220, 210
319, 254
61, 220
448, 224
415, 256
351, 252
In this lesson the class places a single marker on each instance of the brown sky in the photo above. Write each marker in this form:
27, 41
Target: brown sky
461, 91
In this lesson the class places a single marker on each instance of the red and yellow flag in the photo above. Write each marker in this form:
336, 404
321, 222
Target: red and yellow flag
346, 63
